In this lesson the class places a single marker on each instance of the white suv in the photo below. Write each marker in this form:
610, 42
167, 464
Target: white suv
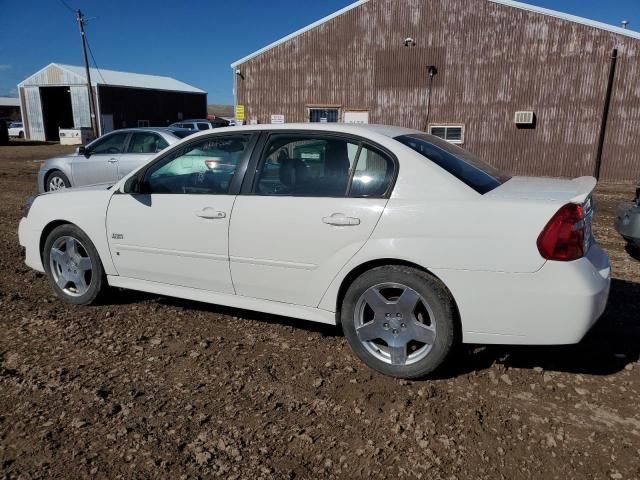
16, 130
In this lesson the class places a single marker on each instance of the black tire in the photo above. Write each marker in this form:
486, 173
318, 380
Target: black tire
53, 175
95, 281
434, 294
20, 135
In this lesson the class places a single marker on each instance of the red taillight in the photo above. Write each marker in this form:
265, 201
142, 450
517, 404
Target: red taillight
563, 237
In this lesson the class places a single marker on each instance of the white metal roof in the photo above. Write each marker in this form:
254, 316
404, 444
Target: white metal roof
509, 3
122, 79
9, 102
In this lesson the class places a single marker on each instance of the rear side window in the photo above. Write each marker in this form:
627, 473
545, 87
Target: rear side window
463, 165
203, 126
317, 166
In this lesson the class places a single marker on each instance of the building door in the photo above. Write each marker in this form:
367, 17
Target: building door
323, 115
56, 110
35, 125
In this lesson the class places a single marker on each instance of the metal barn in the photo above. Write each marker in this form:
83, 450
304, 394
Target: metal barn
536, 92
57, 97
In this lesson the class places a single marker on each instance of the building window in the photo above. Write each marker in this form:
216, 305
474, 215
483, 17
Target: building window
450, 133
143, 123
324, 115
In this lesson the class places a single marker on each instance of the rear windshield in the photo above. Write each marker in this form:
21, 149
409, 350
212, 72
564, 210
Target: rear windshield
463, 165
182, 133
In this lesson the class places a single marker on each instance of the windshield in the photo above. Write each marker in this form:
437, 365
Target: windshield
463, 165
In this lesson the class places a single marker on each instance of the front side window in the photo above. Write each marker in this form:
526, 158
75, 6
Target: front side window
463, 165
145, 142
203, 167
111, 144
317, 166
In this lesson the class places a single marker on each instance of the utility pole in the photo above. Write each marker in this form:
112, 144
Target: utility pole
92, 107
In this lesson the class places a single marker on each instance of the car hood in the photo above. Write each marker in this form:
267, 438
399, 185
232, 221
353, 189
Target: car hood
58, 158
85, 188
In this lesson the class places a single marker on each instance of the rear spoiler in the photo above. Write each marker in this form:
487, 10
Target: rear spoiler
584, 187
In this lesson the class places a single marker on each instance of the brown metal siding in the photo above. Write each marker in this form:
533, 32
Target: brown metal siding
493, 60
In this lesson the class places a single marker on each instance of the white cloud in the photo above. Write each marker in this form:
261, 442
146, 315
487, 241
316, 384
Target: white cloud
5, 67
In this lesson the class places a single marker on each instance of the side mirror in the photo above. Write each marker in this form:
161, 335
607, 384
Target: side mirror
82, 150
135, 185
132, 185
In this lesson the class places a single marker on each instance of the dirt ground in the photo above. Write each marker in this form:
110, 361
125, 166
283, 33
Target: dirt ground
153, 387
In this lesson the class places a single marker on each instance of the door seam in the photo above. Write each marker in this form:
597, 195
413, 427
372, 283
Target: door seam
233, 285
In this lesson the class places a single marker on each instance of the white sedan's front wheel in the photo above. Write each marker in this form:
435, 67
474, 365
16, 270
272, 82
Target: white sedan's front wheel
399, 321
72, 265
56, 181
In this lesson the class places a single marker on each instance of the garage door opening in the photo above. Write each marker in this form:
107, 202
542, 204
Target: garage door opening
56, 110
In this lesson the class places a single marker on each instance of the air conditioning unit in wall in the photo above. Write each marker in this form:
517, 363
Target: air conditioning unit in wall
525, 118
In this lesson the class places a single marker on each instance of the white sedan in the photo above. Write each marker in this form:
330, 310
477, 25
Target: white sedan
412, 244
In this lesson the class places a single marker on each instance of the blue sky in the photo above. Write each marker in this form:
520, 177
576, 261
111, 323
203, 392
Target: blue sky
193, 41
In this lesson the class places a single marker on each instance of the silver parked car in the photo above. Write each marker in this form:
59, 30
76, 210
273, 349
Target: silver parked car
108, 158
628, 224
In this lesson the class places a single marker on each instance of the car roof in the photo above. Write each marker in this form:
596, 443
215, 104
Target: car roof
147, 129
353, 128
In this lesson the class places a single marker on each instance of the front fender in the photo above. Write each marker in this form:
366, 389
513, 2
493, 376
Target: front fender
83, 208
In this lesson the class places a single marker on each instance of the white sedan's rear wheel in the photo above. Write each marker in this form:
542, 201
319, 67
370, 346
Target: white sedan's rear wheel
399, 321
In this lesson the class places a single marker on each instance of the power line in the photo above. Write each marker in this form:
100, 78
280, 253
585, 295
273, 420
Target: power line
66, 5
95, 64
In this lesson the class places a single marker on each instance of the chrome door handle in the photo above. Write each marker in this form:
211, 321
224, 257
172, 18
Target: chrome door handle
113, 160
341, 220
210, 213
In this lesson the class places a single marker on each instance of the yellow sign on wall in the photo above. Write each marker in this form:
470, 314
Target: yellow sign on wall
239, 112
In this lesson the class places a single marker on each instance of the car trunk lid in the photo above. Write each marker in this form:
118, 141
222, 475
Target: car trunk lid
556, 193
554, 190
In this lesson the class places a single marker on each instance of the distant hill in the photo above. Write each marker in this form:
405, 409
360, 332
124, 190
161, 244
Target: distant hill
220, 110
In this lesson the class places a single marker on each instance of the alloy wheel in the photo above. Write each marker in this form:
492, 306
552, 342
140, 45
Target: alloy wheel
71, 266
395, 324
56, 183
